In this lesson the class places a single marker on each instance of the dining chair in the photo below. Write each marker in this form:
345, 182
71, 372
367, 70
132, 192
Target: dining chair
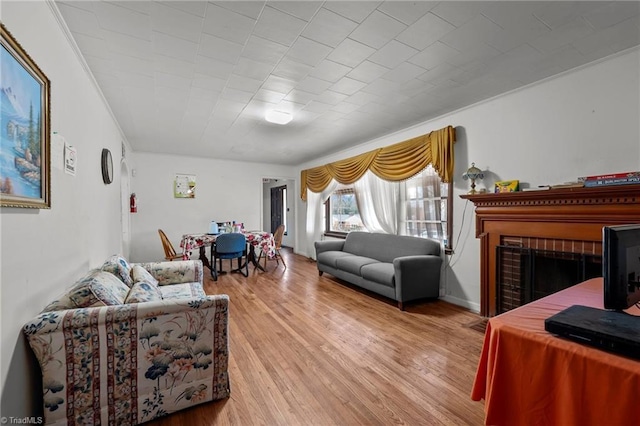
169, 252
277, 237
230, 246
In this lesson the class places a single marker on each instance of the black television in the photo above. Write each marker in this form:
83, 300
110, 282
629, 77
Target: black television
621, 266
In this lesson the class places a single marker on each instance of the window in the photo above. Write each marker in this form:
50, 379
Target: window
426, 204
341, 213
425, 209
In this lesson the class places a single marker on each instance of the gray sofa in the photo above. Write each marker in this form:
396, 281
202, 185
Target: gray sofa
399, 267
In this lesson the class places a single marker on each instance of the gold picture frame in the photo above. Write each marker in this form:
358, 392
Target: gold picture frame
25, 134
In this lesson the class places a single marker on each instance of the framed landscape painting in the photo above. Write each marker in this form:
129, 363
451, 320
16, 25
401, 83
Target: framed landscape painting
24, 128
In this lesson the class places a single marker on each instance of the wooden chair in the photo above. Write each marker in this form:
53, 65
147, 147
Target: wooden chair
169, 252
277, 236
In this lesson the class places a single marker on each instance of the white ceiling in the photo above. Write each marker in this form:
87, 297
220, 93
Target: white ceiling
196, 77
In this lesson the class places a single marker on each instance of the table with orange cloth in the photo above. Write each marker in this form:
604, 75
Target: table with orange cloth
528, 376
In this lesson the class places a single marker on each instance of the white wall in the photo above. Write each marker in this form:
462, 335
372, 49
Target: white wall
225, 191
45, 251
583, 122
288, 239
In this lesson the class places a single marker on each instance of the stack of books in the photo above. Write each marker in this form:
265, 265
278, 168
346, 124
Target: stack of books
626, 178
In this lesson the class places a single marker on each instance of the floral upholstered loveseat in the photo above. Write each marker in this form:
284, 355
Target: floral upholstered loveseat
131, 342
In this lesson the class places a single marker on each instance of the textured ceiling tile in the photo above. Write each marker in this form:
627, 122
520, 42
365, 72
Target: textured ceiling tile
252, 69
300, 96
562, 36
330, 71
329, 28
208, 82
227, 24
308, 52
213, 67
262, 50
174, 47
458, 12
173, 22
313, 85
367, 72
348, 86
612, 13
425, 31
278, 26
404, 72
304, 10
196, 8
243, 83
434, 55
236, 95
407, 12
377, 30
172, 80
252, 9
82, 21
278, 84
123, 20
471, 34
292, 70
171, 65
217, 48
330, 97
393, 54
350, 53
355, 10
269, 96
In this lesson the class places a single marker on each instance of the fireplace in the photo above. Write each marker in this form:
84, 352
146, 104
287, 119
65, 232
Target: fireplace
525, 274
557, 232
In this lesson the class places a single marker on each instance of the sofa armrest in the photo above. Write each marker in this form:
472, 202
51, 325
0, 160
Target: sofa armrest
417, 276
100, 363
329, 245
176, 272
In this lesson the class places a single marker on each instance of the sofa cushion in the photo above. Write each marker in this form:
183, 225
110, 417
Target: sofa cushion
386, 247
98, 288
138, 273
119, 267
329, 258
353, 263
143, 291
61, 303
175, 291
381, 273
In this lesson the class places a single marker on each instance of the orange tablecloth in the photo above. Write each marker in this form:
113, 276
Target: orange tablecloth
528, 376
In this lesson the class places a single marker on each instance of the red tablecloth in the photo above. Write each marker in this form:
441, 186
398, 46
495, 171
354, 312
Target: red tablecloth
528, 376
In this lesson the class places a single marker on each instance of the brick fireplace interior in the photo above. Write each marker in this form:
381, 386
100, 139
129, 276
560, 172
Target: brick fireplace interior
538, 242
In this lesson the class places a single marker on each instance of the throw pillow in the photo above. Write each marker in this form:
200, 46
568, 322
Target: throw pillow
98, 288
143, 291
138, 273
119, 267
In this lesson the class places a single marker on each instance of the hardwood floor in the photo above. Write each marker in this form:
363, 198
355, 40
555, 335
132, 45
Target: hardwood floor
310, 350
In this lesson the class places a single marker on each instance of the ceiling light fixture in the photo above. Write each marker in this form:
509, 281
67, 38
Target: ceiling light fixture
278, 117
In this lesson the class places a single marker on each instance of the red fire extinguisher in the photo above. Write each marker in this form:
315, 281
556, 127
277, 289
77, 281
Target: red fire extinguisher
133, 203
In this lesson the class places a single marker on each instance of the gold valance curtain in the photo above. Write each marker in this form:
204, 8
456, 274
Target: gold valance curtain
393, 163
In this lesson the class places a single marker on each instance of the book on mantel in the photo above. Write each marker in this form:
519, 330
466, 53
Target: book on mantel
622, 175
612, 181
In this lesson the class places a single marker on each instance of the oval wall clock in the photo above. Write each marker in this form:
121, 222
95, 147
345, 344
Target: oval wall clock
107, 166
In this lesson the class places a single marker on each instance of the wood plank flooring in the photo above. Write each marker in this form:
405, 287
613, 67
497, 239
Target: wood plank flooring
310, 350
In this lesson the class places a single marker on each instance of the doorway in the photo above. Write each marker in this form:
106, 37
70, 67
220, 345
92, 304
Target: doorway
278, 207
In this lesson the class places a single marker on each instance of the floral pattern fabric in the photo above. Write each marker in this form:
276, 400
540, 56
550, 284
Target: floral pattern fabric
181, 290
143, 291
138, 273
119, 267
130, 363
99, 288
258, 239
176, 272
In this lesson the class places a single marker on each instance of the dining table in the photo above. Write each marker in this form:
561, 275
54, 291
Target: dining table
255, 239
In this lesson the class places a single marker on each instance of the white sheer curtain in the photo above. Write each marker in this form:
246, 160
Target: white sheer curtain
315, 227
378, 203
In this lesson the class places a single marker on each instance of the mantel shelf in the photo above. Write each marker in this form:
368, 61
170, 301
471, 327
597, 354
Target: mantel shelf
610, 194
